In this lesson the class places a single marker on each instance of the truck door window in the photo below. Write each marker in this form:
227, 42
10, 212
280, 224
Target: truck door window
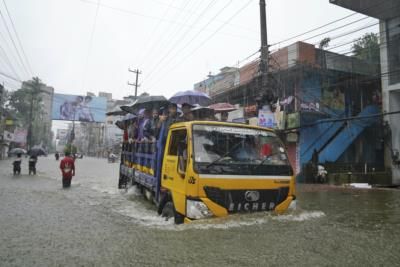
177, 138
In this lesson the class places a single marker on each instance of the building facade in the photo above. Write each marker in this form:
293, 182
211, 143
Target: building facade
316, 92
388, 13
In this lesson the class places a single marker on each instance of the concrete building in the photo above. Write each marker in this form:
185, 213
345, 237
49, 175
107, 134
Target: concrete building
227, 78
313, 87
388, 12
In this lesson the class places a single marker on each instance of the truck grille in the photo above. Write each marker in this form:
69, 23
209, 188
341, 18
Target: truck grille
247, 200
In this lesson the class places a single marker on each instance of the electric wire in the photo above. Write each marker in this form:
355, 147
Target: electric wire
197, 34
212, 35
14, 45
176, 43
18, 39
90, 45
170, 35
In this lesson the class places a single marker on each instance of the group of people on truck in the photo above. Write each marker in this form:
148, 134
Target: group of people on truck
147, 133
150, 123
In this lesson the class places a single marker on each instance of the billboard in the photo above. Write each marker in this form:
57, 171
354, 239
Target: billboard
79, 108
20, 135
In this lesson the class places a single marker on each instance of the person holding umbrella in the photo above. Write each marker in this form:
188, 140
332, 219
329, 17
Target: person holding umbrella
32, 164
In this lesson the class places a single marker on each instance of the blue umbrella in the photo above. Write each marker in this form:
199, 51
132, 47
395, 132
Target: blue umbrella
191, 97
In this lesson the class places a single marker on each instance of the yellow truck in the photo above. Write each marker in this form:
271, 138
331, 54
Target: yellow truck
207, 169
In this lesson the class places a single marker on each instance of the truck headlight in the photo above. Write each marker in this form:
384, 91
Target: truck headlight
197, 210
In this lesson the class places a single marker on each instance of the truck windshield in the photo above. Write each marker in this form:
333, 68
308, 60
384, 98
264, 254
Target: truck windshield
238, 150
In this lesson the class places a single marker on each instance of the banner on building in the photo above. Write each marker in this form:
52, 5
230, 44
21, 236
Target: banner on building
62, 134
79, 108
293, 120
20, 136
8, 136
266, 118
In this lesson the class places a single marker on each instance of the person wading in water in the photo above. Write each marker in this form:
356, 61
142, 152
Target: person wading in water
67, 167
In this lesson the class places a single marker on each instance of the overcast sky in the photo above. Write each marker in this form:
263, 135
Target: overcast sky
174, 43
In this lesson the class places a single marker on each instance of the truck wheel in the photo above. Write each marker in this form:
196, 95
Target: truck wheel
163, 201
179, 218
169, 211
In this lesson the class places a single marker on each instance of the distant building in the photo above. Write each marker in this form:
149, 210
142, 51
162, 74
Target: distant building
108, 96
388, 12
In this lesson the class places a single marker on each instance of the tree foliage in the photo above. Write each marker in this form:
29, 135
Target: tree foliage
25, 100
26, 105
367, 48
69, 148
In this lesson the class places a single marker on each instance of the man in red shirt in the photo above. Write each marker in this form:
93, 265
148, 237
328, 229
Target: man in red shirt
67, 167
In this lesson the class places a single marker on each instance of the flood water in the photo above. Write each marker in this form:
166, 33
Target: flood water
331, 227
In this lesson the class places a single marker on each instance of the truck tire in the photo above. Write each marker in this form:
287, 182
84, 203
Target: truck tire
163, 201
179, 218
169, 211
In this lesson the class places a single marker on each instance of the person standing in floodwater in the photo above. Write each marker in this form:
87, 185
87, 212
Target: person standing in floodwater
67, 166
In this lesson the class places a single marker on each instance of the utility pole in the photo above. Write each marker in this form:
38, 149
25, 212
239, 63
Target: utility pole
137, 71
30, 123
264, 52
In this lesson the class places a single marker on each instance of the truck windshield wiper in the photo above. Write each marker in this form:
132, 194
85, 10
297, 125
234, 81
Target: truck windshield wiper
263, 161
224, 155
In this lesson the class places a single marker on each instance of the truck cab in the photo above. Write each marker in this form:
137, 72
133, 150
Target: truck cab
213, 169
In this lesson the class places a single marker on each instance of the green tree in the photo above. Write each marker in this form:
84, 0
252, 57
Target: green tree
26, 104
367, 48
70, 149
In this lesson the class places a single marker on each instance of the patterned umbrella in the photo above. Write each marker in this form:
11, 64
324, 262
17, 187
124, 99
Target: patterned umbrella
222, 107
191, 97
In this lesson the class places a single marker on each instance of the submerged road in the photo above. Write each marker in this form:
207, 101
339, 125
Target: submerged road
94, 224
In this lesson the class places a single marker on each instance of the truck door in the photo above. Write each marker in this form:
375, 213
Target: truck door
173, 175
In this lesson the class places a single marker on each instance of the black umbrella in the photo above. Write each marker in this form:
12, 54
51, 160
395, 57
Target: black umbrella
37, 151
146, 102
116, 111
17, 150
120, 124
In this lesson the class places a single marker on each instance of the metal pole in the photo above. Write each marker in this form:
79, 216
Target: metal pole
137, 71
264, 45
